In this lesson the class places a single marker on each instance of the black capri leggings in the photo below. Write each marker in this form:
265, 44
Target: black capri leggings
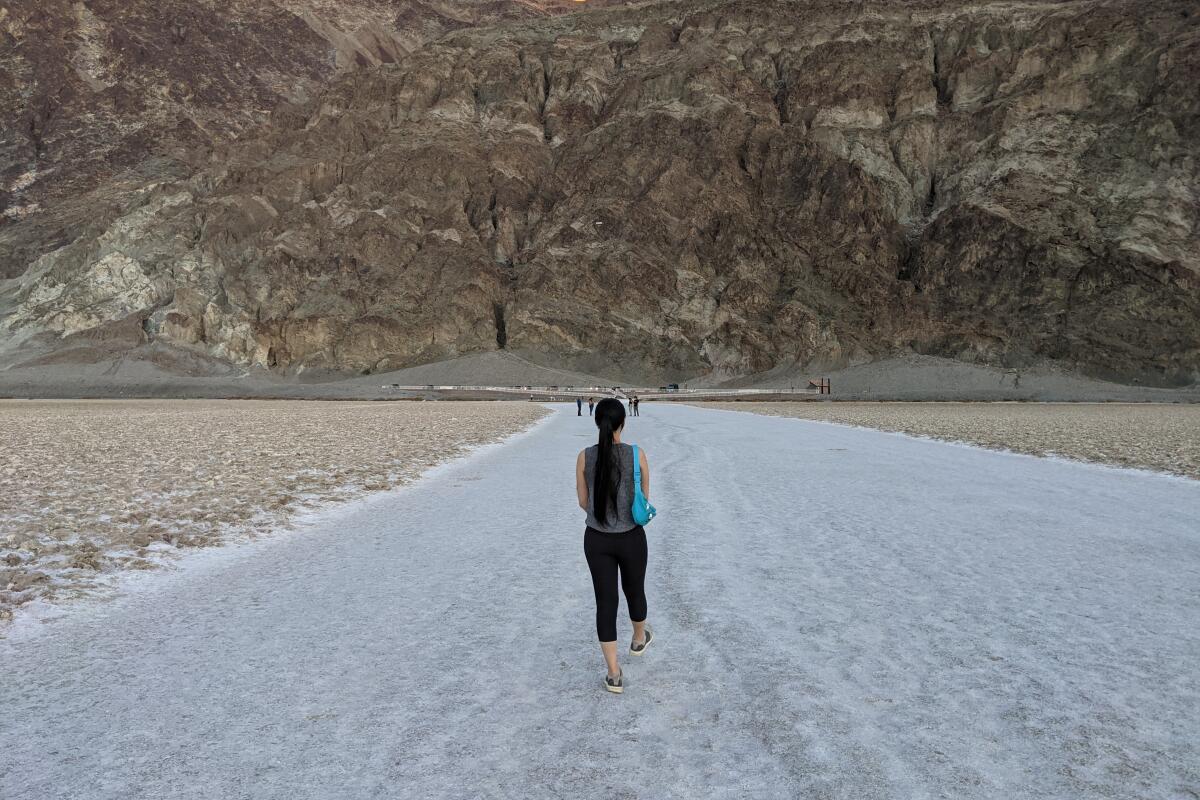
606, 552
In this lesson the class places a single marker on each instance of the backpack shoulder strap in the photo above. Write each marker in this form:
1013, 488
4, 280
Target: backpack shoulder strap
637, 468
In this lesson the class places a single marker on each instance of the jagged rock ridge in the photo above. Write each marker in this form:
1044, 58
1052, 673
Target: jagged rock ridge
670, 190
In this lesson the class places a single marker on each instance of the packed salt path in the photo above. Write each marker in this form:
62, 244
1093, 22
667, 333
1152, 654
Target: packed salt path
840, 613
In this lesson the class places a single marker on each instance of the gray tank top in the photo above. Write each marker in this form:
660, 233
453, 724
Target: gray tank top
620, 520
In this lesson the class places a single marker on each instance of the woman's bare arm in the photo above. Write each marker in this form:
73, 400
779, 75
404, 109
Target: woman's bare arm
645, 468
581, 488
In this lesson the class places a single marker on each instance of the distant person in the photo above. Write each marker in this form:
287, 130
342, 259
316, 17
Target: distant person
591, 405
579, 406
612, 541
634, 403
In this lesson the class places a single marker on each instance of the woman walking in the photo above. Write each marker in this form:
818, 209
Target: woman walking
612, 541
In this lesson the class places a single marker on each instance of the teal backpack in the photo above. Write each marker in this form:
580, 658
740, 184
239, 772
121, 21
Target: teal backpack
643, 512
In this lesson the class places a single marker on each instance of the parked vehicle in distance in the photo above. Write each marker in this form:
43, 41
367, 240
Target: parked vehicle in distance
672, 387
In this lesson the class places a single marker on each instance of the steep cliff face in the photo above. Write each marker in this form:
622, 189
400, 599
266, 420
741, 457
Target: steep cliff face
90, 89
672, 189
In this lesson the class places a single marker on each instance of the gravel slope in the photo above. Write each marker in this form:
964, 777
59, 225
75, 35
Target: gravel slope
840, 613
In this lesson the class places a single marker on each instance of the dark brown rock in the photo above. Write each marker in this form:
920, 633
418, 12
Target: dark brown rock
661, 192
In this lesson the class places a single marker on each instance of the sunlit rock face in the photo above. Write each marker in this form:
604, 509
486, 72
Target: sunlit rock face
669, 189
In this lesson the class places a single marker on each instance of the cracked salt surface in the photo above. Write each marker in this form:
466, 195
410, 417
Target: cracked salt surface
1152, 436
840, 613
92, 489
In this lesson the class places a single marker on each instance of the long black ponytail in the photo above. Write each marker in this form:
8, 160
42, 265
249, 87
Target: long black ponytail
610, 416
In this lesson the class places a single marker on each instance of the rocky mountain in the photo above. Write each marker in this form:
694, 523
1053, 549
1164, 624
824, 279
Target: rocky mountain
91, 89
659, 190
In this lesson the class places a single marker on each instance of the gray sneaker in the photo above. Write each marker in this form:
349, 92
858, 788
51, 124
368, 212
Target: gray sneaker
615, 685
636, 649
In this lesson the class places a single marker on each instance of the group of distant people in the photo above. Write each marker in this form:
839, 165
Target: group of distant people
591, 403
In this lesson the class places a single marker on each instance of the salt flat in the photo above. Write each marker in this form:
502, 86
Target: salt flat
841, 613
1158, 436
91, 489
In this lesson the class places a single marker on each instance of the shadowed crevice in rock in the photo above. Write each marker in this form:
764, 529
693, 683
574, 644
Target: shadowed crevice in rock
501, 328
941, 81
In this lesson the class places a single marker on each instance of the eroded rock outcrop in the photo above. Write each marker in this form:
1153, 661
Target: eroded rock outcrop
89, 90
672, 190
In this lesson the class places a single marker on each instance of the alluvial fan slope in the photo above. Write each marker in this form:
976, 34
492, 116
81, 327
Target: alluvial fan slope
682, 188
